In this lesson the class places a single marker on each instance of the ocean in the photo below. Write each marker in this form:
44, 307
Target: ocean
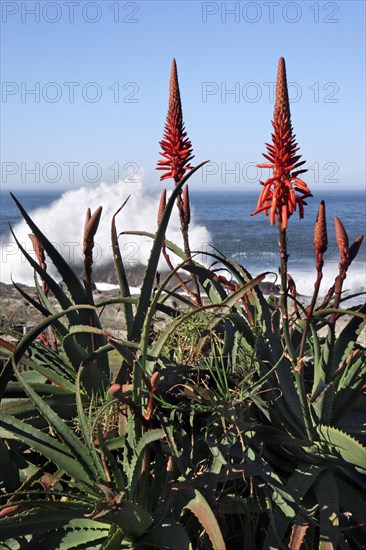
221, 219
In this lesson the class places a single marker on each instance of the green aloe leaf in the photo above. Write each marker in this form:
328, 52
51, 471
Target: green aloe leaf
350, 386
78, 329
169, 535
31, 300
231, 300
339, 444
76, 447
323, 405
199, 506
50, 517
9, 470
24, 408
61, 297
132, 519
85, 428
149, 319
352, 501
297, 485
118, 480
359, 313
72, 282
279, 493
148, 282
78, 533
49, 447
326, 491
323, 367
47, 306
115, 540
95, 380
316, 350
75, 287
121, 273
15, 389
50, 361
148, 438
52, 374
261, 310
73, 349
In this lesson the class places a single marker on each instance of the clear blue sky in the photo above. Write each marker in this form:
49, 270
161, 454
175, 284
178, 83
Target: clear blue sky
219, 46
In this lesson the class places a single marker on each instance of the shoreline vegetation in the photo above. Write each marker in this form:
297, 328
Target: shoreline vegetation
16, 310
227, 414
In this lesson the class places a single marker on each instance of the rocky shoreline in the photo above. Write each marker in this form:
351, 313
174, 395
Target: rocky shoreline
17, 312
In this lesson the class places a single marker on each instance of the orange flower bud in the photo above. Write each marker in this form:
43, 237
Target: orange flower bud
41, 258
320, 230
354, 248
38, 249
90, 227
341, 239
162, 206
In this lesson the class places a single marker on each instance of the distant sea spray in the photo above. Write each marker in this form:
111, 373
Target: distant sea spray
62, 222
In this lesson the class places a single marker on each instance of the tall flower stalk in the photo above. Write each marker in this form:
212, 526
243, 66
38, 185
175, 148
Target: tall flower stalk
320, 242
177, 154
41, 258
90, 229
281, 195
284, 191
162, 206
346, 256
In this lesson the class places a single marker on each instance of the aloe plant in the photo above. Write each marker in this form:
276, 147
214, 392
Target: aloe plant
233, 424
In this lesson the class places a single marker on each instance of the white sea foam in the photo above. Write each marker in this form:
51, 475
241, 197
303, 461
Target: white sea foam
104, 287
355, 281
62, 222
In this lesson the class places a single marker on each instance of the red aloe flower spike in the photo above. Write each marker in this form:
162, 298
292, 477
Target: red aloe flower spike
282, 157
176, 147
